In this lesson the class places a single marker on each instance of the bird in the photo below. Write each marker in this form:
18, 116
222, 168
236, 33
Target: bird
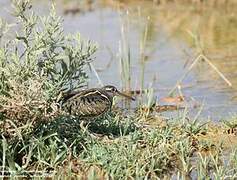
92, 103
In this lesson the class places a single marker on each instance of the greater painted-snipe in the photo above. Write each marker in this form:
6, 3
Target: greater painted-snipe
92, 103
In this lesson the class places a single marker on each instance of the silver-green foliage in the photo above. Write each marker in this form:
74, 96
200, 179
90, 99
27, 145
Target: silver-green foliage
40, 51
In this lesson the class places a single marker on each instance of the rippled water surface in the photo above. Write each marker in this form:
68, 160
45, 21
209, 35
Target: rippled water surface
163, 41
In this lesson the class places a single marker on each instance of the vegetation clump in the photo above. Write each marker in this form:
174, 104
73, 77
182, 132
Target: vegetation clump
37, 64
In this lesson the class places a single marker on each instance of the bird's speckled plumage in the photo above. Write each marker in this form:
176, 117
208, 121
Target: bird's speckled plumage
92, 102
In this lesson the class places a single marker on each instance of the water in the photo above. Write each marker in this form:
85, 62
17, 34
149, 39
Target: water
169, 48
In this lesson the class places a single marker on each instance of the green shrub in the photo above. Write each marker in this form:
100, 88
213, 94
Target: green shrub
37, 63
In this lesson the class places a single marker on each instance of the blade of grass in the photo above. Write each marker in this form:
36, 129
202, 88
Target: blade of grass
92, 68
4, 149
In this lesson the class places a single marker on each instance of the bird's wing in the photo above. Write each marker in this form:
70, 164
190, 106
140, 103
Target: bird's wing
88, 103
68, 95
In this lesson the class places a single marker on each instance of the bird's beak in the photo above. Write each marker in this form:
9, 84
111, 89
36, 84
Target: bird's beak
126, 96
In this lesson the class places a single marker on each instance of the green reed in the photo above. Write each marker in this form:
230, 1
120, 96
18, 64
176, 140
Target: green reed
125, 54
142, 45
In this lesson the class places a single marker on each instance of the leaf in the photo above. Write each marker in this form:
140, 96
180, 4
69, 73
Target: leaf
64, 67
